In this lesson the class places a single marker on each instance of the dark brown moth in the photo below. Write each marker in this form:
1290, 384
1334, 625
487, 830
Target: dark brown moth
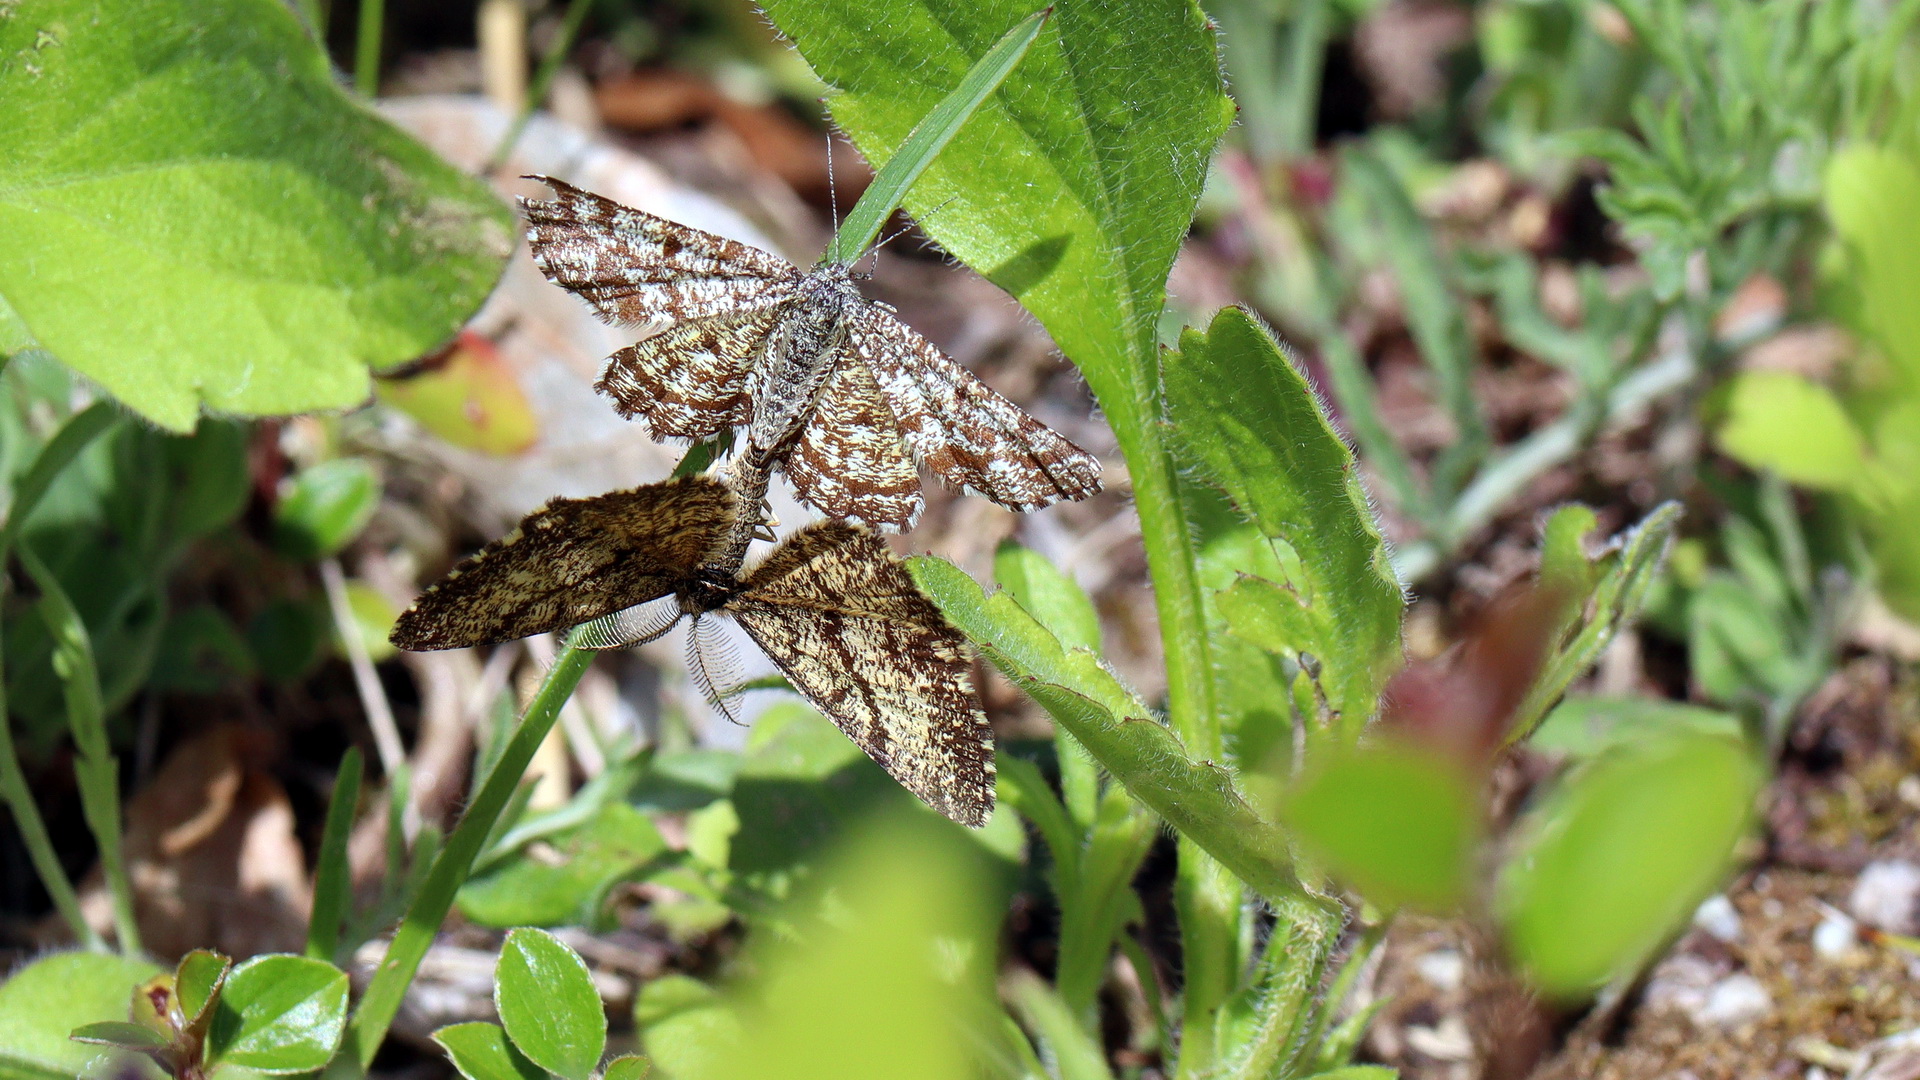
831, 606
741, 336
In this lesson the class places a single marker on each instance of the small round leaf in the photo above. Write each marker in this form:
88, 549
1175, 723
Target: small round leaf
481, 1052
630, 1067
549, 1005
325, 507
280, 1014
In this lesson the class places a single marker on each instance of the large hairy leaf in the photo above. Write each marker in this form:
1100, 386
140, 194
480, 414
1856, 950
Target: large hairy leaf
195, 212
1073, 187
1250, 424
1199, 798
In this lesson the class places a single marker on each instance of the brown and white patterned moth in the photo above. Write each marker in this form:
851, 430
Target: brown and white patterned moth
741, 336
831, 606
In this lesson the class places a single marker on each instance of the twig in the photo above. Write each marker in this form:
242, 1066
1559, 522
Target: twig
373, 696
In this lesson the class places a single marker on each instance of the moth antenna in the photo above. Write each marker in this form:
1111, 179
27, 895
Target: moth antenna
903, 230
704, 644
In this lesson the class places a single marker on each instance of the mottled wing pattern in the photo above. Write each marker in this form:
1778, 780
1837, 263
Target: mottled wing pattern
690, 381
962, 430
636, 268
571, 561
839, 616
849, 461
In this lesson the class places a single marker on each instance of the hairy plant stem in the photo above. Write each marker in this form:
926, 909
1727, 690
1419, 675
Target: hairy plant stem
1206, 896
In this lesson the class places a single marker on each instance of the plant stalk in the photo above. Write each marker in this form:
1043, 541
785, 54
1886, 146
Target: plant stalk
381, 1002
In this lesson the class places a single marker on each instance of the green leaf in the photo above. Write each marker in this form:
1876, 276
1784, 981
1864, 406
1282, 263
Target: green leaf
1054, 600
1359, 1072
1057, 602
1064, 190
928, 138
1756, 408
1197, 798
1873, 196
568, 881
1621, 576
481, 1052
280, 1014
373, 616
1621, 853
121, 1034
877, 969
627, 1067
803, 784
1077, 1054
44, 1001
325, 507
470, 397
1583, 727
549, 1005
685, 1025
232, 228
197, 983
1398, 822
333, 870
1249, 421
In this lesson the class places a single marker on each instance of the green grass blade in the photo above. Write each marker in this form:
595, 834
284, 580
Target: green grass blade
74, 436
97, 769
66, 444
929, 137
332, 876
381, 1003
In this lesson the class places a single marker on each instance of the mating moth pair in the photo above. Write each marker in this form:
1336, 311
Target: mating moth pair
835, 393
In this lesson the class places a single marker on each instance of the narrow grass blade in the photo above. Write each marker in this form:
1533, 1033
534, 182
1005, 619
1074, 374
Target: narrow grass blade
332, 878
366, 51
66, 444
929, 137
80, 429
542, 79
97, 769
450, 870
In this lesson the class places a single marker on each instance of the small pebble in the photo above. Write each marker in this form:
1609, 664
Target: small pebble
1887, 896
1443, 969
1717, 917
1446, 1041
1735, 1001
1835, 937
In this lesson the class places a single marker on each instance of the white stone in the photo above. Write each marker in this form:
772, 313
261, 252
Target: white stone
1887, 896
1716, 916
1835, 937
1734, 1001
1443, 969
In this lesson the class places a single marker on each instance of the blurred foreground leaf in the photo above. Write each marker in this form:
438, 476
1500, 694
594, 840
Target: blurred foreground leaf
1397, 821
41, 1004
887, 970
196, 212
1619, 855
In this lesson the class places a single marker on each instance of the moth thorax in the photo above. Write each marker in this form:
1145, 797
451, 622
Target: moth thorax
801, 352
708, 591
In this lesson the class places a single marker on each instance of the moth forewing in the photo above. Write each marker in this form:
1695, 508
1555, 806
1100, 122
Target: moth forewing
838, 615
573, 561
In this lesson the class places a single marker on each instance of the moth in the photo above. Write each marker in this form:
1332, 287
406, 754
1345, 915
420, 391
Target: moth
853, 400
830, 606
